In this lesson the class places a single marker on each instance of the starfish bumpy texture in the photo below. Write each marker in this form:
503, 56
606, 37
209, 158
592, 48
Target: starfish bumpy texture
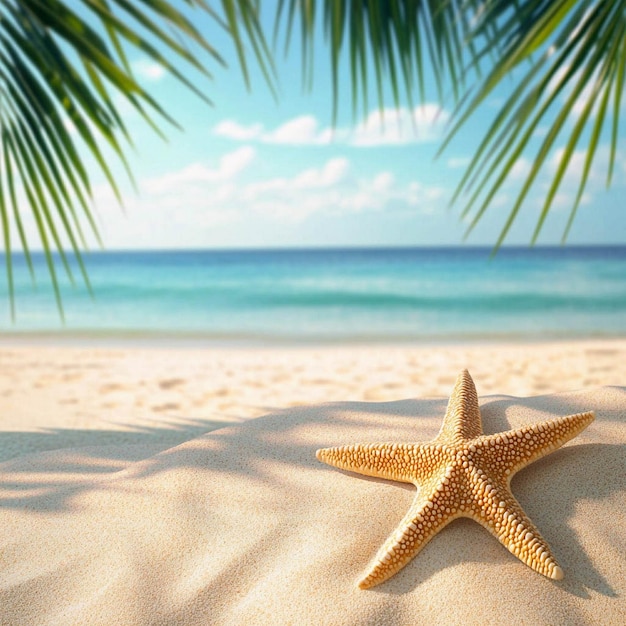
460, 473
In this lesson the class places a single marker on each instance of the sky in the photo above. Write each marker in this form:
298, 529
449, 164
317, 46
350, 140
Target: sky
255, 171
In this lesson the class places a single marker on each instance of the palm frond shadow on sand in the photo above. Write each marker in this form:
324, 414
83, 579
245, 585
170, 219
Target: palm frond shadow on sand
54, 480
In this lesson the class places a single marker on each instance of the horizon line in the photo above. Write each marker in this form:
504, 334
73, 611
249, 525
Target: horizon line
337, 248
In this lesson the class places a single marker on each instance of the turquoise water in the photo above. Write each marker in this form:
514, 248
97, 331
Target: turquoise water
333, 295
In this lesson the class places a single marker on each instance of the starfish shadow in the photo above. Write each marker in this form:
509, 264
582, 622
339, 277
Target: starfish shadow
576, 467
583, 473
558, 482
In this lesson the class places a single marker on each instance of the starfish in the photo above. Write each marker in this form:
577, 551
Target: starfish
460, 473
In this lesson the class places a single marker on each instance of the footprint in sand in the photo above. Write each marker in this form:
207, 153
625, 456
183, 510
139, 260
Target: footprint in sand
320, 381
600, 352
391, 386
110, 388
71, 377
170, 383
168, 406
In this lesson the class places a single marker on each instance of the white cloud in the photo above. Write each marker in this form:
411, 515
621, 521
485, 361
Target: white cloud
576, 163
302, 130
148, 70
234, 162
182, 207
565, 196
565, 200
501, 200
391, 127
582, 101
401, 126
176, 209
584, 97
333, 172
598, 170
520, 169
333, 189
201, 174
457, 162
383, 181
232, 130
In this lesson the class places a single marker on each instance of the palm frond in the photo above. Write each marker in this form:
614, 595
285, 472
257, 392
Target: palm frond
577, 54
393, 40
58, 68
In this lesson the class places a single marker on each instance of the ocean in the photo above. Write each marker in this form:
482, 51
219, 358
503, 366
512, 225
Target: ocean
393, 295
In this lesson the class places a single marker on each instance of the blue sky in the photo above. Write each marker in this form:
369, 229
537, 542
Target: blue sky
255, 172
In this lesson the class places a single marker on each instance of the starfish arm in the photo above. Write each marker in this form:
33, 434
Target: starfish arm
426, 517
462, 420
516, 449
501, 514
462, 472
402, 462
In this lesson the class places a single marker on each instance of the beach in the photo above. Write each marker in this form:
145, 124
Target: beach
294, 360
67, 396
172, 485
158, 449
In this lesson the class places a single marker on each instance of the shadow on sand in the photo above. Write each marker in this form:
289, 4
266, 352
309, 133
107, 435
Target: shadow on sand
51, 480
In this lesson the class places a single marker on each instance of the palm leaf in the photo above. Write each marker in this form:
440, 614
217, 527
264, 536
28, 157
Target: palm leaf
395, 40
577, 50
57, 65
559, 51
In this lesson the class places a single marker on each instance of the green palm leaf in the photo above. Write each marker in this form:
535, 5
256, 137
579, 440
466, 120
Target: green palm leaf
56, 67
576, 54
394, 39
560, 51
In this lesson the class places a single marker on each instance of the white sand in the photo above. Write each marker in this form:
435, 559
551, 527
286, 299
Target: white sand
104, 519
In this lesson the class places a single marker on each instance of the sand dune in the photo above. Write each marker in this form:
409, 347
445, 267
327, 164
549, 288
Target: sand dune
244, 525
